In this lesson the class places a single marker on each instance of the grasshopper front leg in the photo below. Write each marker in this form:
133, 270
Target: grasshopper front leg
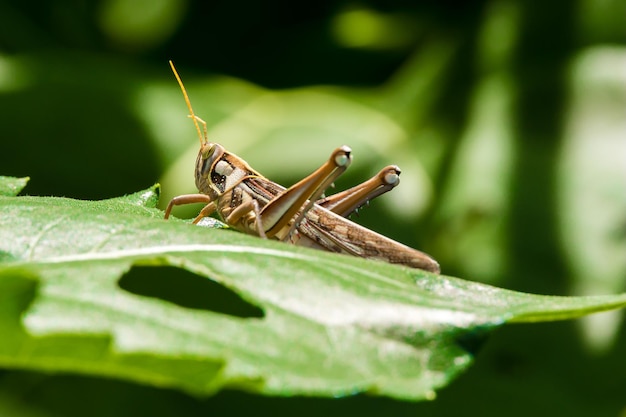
185, 199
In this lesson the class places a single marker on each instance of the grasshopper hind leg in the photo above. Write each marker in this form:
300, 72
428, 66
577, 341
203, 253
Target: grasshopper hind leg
346, 202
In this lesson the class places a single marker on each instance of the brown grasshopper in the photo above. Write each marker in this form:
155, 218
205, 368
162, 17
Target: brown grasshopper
249, 202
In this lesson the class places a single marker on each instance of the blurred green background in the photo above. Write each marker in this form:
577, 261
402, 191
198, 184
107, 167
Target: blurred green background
508, 119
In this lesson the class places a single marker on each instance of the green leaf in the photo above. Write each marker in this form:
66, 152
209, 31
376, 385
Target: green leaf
10, 186
304, 322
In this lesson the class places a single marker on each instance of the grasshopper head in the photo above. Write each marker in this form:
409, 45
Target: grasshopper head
208, 179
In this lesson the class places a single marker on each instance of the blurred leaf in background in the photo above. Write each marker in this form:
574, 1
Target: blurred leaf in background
505, 116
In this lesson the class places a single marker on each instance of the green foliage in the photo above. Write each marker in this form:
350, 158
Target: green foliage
508, 129
309, 322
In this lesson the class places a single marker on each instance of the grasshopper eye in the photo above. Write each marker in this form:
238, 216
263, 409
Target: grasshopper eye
206, 157
207, 151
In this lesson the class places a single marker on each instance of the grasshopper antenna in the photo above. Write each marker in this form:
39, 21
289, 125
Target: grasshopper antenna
196, 119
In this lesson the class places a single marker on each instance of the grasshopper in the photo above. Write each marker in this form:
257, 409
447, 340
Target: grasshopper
247, 201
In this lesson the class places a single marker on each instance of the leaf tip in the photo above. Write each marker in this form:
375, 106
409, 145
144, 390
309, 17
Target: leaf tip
12, 186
